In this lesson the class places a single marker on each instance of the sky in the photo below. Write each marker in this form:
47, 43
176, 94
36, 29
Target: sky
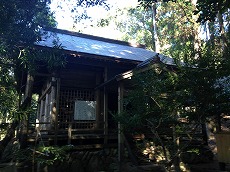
64, 17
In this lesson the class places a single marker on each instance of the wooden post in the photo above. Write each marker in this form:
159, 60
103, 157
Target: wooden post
98, 105
53, 106
57, 111
176, 142
120, 127
41, 113
37, 121
105, 108
47, 111
53, 103
105, 116
69, 133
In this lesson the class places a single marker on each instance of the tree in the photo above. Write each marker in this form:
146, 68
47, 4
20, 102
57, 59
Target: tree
195, 90
19, 29
77, 12
176, 101
209, 54
175, 28
8, 95
210, 9
137, 26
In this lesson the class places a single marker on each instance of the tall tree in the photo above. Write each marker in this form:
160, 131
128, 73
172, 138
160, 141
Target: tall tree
173, 26
20, 24
211, 11
196, 91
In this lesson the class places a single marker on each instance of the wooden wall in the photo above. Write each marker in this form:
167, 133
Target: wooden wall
78, 80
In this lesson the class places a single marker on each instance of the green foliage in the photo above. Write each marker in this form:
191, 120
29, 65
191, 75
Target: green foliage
43, 155
46, 59
194, 150
8, 94
154, 98
49, 155
163, 96
20, 20
52, 154
90, 3
138, 27
208, 9
22, 155
153, 151
176, 27
148, 3
20, 25
177, 98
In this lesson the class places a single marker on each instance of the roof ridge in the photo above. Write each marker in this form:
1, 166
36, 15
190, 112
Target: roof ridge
98, 38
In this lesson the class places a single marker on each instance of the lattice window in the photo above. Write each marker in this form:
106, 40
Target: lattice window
67, 102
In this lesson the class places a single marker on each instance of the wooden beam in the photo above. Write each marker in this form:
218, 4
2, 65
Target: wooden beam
44, 74
45, 92
126, 75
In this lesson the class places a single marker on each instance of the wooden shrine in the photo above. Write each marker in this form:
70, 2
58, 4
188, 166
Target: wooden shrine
75, 101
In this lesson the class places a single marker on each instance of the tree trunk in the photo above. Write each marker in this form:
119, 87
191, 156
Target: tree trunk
155, 38
9, 136
222, 31
196, 30
26, 104
204, 133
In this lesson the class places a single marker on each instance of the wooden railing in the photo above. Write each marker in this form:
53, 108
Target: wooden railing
69, 130
63, 126
81, 125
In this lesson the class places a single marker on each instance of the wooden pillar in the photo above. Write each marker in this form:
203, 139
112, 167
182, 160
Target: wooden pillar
105, 108
57, 110
47, 112
41, 111
53, 102
38, 110
38, 116
98, 102
53, 106
105, 116
69, 132
120, 127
